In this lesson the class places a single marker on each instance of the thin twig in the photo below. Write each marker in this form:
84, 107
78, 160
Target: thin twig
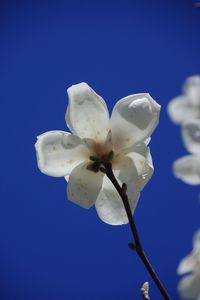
137, 246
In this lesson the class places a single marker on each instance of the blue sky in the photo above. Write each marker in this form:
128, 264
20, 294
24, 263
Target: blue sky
50, 248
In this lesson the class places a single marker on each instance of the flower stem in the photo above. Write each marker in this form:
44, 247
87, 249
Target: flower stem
138, 246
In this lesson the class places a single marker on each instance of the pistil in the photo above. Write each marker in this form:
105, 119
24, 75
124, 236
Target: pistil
98, 163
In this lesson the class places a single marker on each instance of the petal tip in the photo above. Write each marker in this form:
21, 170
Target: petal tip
77, 86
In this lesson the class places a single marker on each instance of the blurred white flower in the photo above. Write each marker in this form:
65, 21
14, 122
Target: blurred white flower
187, 168
187, 105
189, 285
121, 139
185, 109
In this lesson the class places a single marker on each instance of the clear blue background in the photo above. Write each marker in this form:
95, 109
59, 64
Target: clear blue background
51, 249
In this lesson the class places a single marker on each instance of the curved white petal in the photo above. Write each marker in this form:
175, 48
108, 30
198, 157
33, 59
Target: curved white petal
147, 141
133, 119
192, 89
67, 177
187, 264
58, 152
189, 286
180, 109
109, 205
196, 241
187, 169
87, 114
191, 135
84, 185
144, 166
140, 148
192, 261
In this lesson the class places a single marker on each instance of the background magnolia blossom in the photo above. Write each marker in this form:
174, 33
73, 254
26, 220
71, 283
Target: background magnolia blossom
185, 110
189, 286
122, 139
186, 106
187, 168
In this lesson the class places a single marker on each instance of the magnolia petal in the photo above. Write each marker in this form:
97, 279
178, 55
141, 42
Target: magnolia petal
144, 166
189, 286
87, 114
191, 262
147, 141
191, 135
133, 119
140, 148
67, 177
109, 205
187, 168
192, 89
58, 152
187, 264
196, 241
84, 186
180, 109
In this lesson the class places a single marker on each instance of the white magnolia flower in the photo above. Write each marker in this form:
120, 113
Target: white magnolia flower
187, 168
187, 105
189, 285
122, 139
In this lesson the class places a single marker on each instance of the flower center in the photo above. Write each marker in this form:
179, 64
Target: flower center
98, 161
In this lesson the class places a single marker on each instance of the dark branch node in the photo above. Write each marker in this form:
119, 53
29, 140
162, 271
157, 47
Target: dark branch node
132, 246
